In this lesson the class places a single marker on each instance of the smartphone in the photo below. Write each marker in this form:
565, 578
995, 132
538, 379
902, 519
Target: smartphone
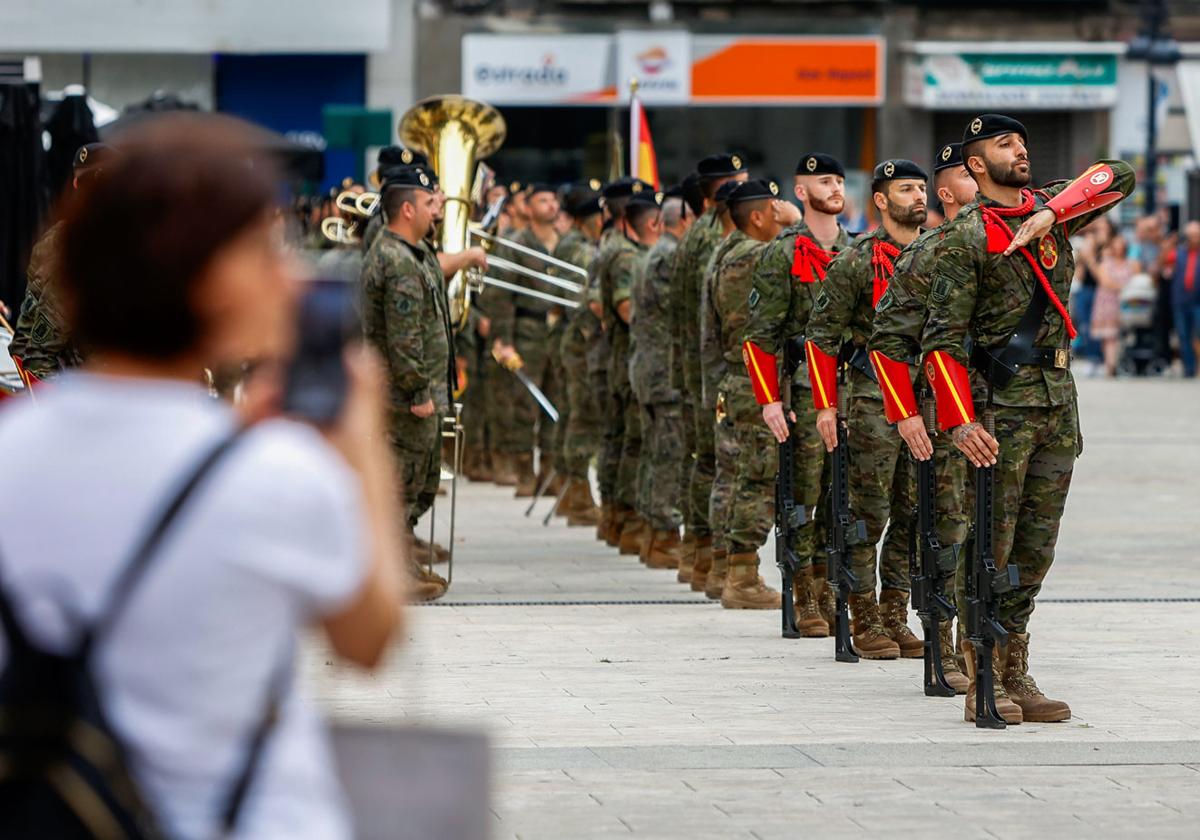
315, 385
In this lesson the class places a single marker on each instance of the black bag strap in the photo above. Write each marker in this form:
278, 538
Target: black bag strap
146, 549
999, 365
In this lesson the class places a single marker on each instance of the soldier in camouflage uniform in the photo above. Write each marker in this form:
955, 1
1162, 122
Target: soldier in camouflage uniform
896, 334
405, 316
692, 259
583, 430
523, 323
759, 215
41, 345
1004, 256
640, 228
787, 278
660, 405
616, 196
881, 479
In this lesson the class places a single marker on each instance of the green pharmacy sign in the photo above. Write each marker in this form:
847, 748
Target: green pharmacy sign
984, 80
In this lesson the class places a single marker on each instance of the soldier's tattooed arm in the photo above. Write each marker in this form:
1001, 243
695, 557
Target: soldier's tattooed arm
974, 442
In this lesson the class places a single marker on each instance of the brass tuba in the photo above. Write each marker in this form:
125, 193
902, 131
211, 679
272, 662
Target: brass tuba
455, 133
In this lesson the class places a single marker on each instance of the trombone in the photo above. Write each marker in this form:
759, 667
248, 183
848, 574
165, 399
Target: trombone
358, 207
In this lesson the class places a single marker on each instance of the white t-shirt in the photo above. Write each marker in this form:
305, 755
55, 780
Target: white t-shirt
270, 541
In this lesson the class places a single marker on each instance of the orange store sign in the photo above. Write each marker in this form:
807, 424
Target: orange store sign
675, 67
766, 70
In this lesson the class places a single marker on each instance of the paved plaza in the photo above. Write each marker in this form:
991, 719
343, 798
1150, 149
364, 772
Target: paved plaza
619, 703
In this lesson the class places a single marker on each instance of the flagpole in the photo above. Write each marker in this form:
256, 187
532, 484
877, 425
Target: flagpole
635, 140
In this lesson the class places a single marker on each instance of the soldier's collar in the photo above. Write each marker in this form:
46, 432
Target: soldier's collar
417, 250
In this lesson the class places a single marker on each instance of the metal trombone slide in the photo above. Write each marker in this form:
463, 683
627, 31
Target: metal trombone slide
452, 429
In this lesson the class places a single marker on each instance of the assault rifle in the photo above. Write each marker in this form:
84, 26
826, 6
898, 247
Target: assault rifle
844, 531
984, 583
930, 566
788, 516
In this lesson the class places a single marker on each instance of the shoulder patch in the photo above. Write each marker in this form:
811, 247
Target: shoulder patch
754, 298
940, 293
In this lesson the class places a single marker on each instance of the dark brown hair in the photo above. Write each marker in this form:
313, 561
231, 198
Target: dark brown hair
136, 240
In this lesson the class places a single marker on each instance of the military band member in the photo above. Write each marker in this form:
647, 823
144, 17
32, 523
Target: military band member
391, 159
880, 480
787, 279
896, 335
584, 428
526, 328
1001, 275
695, 251
41, 345
405, 316
758, 215
660, 405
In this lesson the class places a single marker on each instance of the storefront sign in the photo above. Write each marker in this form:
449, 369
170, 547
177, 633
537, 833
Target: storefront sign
764, 70
953, 81
673, 68
660, 61
537, 69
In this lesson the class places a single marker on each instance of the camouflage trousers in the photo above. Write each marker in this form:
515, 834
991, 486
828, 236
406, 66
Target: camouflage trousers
584, 426
702, 471
725, 463
686, 456
599, 349
660, 487
476, 416
629, 445
1038, 448
550, 434
752, 494
524, 422
417, 445
881, 489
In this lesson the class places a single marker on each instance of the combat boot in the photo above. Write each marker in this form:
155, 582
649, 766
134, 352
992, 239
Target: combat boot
421, 552
824, 596
526, 478
1008, 710
744, 588
583, 511
809, 622
504, 470
426, 585
645, 540
665, 550
955, 678
868, 634
893, 609
619, 515
703, 565
714, 584
570, 500
630, 539
687, 557
1035, 706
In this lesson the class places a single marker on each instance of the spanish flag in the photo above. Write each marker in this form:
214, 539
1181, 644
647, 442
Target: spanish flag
643, 163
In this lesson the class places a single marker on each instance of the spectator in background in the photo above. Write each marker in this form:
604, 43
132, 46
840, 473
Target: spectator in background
172, 263
1087, 259
1112, 275
1185, 296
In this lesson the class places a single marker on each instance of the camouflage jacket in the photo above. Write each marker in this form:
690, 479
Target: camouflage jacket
616, 283
844, 307
983, 295
40, 336
599, 341
405, 316
375, 226
650, 325
780, 303
512, 305
687, 280
727, 276
900, 316
576, 249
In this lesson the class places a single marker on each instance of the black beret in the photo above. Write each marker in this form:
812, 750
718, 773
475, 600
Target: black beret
817, 163
947, 157
399, 156
625, 187
992, 125
515, 187
720, 166
726, 190
541, 187
409, 177
673, 191
891, 170
755, 190
645, 198
582, 201
93, 156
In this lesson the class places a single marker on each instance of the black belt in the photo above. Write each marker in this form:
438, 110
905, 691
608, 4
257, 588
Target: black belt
526, 312
860, 360
1047, 358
